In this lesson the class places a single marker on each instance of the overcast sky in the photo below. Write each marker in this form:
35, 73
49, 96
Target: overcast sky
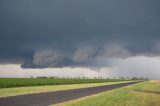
76, 37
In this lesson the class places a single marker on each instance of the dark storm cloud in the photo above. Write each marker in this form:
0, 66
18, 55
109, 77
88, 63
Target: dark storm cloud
30, 27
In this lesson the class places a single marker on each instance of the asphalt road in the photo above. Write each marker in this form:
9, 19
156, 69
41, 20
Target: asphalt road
45, 99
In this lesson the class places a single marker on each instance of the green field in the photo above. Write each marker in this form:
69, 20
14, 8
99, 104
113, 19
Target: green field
5, 92
142, 94
22, 82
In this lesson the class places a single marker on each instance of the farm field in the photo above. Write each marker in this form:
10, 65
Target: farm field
22, 82
5, 92
142, 94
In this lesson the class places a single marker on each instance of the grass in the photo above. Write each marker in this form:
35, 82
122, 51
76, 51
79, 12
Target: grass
142, 94
4, 92
22, 82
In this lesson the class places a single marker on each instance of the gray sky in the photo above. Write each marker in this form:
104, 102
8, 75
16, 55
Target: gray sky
78, 33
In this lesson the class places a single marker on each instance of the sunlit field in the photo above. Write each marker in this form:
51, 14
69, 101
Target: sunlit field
22, 82
13, 91
142, 94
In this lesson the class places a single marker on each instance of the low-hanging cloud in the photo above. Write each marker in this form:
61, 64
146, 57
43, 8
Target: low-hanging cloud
87, 56
139, 66
115, 51
47, 58
82, 54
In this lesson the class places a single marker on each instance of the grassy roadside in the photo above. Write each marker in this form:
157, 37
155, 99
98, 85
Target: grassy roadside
142, 94
4, 92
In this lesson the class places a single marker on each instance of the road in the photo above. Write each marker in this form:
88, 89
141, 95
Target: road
48, 98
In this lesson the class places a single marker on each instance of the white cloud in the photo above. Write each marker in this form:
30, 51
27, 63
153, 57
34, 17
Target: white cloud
14, 70
139, 66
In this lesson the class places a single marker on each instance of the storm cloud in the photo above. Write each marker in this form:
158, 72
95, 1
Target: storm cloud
77, 33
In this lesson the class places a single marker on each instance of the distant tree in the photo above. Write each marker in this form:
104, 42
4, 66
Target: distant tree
127, 78
83, 77
108, 78
134, 78
122, 78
